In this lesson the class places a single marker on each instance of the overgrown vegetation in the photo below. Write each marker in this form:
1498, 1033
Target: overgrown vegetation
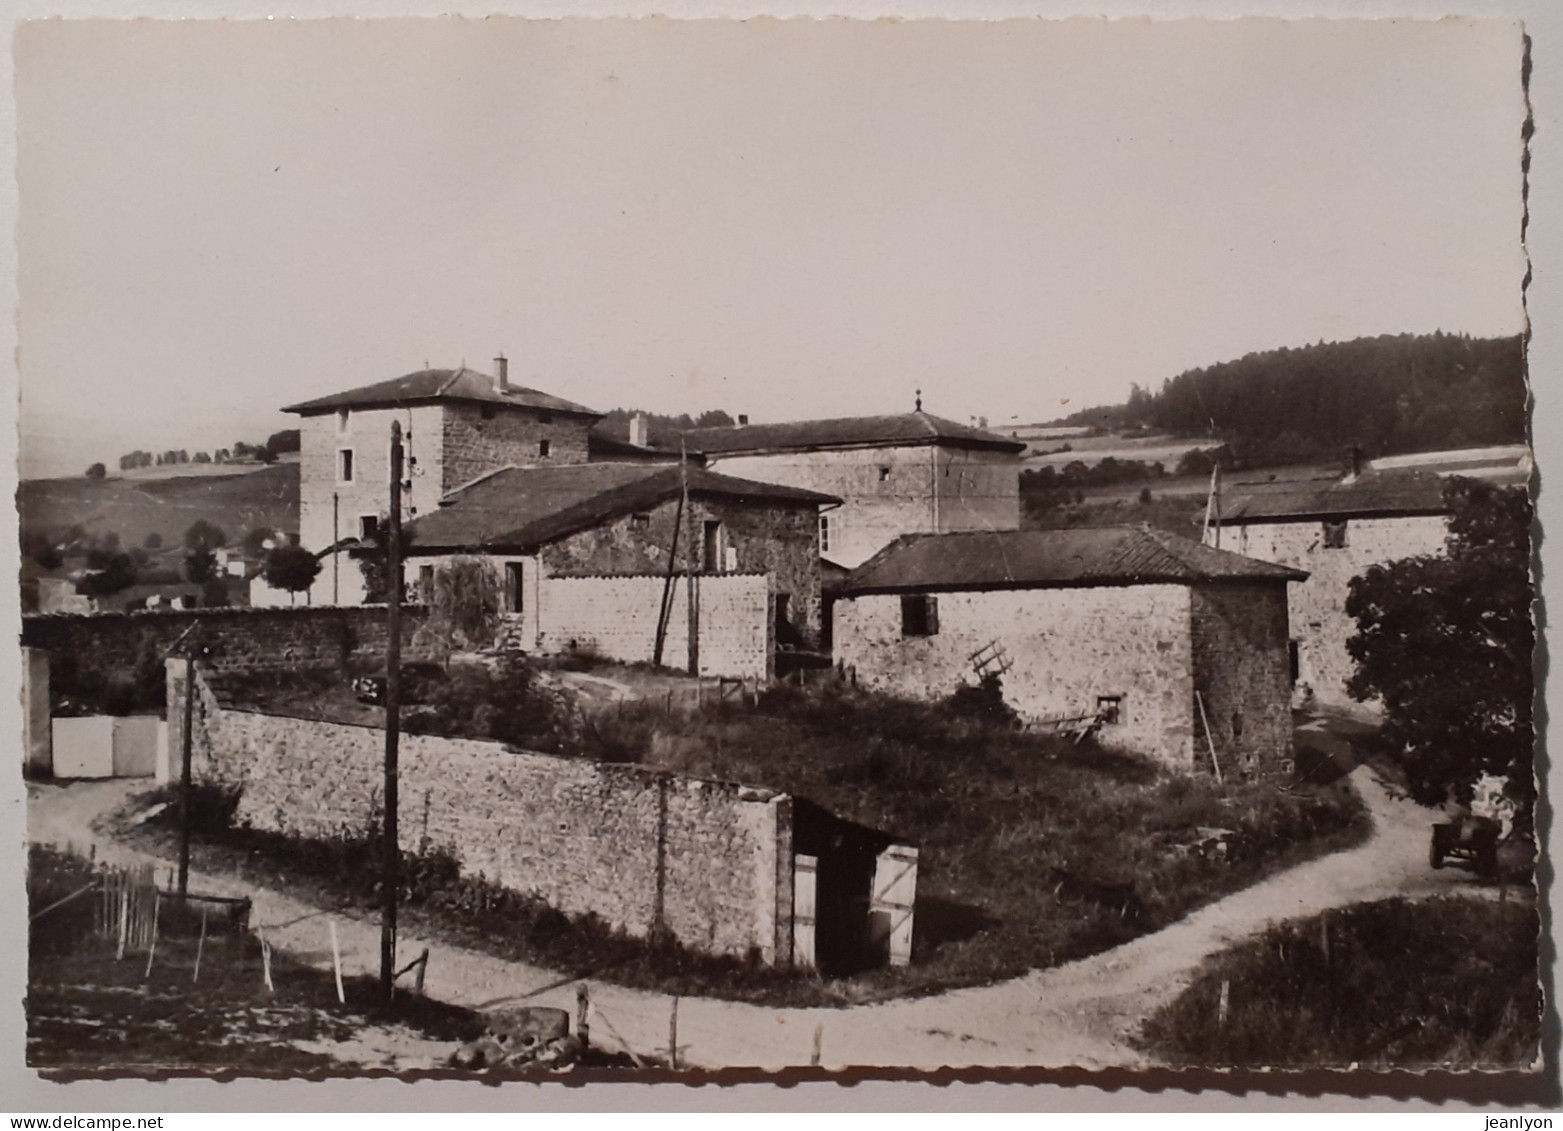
1034, 850
1399, 984
1448, 643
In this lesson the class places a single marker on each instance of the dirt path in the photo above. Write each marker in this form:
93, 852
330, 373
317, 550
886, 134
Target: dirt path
1081, 1014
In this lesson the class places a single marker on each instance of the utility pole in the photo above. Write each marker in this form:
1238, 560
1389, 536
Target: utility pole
689, 558
186, 744
390, 851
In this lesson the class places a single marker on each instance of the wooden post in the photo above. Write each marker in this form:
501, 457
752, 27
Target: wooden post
689, 559
582, 1007
390, 851
265, 960
673, 1036
1209, 741
805, 880
336, 963
819, 1038
157, 903
200, 945
665, 610
1223, 1003
184, 775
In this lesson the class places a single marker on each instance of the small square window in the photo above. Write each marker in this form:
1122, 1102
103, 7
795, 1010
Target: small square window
486, 412
368, 527
824, 533
345, 465
919, 615
543, 448
640, 522
1109, 709
1335, 535
884, 473
545, 418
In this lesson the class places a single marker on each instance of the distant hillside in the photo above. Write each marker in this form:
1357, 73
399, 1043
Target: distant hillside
1387, 395
135, 508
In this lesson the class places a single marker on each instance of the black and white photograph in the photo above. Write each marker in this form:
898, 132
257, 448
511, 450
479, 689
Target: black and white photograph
640, 549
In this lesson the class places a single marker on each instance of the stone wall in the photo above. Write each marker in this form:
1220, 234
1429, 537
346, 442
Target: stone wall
477, 439
1319, 622
1243, 675
617, 616
777, 540
1069, 647
709, 861
232, 640
976, 490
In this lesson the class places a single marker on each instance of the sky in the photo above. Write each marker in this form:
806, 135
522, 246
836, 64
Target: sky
782, 218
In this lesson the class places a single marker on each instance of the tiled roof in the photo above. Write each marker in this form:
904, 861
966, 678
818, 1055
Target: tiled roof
429, 385
1374, 494
1027, 559
905, 429
520, 508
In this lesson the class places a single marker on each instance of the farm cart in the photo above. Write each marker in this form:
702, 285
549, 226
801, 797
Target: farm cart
1472, 839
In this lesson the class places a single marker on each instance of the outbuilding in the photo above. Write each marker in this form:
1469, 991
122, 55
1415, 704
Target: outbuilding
1154, 643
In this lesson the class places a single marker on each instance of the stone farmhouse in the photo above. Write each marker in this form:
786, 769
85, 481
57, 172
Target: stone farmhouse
1334, 532
577, 531
596, 557
458, 425
902, 474
1157, 644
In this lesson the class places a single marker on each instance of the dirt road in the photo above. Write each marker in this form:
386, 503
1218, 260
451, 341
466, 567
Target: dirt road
1080, 1014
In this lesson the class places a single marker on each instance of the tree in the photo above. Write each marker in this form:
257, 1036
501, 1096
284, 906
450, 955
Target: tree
154, 541
118, 572
1448, 645
200, 565
97, 471
292, 568
279, 443
204, 535
374, 563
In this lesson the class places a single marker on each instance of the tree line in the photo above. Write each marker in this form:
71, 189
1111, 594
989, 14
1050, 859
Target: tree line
275, 446
1386, 395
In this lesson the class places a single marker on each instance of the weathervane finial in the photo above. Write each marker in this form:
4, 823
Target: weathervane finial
919, 400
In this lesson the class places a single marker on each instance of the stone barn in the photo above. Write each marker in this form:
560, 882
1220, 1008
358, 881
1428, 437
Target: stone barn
596, 557
1156, 644
1334, 531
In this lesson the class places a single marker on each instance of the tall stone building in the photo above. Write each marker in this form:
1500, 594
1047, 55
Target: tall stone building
457, 425
911, 473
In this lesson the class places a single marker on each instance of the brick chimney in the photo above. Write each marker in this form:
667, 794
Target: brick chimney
638, 429
743, 418
501, 374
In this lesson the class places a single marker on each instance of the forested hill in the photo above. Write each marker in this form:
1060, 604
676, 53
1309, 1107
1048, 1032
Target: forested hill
1387, 395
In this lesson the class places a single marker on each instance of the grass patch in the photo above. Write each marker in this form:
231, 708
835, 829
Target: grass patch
1448, 982
1033, 850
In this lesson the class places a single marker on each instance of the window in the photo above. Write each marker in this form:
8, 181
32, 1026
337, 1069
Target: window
515, 590
1294, 659
341, 420
711, 548
545, 418
368, 527
426, 584
543, 448
1109, 708
486, 412
824, 533
884, 473
345, 465
919, 615
640, 522
1335, 535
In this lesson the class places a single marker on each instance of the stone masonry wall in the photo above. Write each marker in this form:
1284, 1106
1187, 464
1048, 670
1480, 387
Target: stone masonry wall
1069, 647
1243, 675
710, 861
976, 490
777, 540
1319, 621
233, 640
472, 445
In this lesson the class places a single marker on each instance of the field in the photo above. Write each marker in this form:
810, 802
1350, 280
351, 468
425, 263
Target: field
133, 508
1398, 984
